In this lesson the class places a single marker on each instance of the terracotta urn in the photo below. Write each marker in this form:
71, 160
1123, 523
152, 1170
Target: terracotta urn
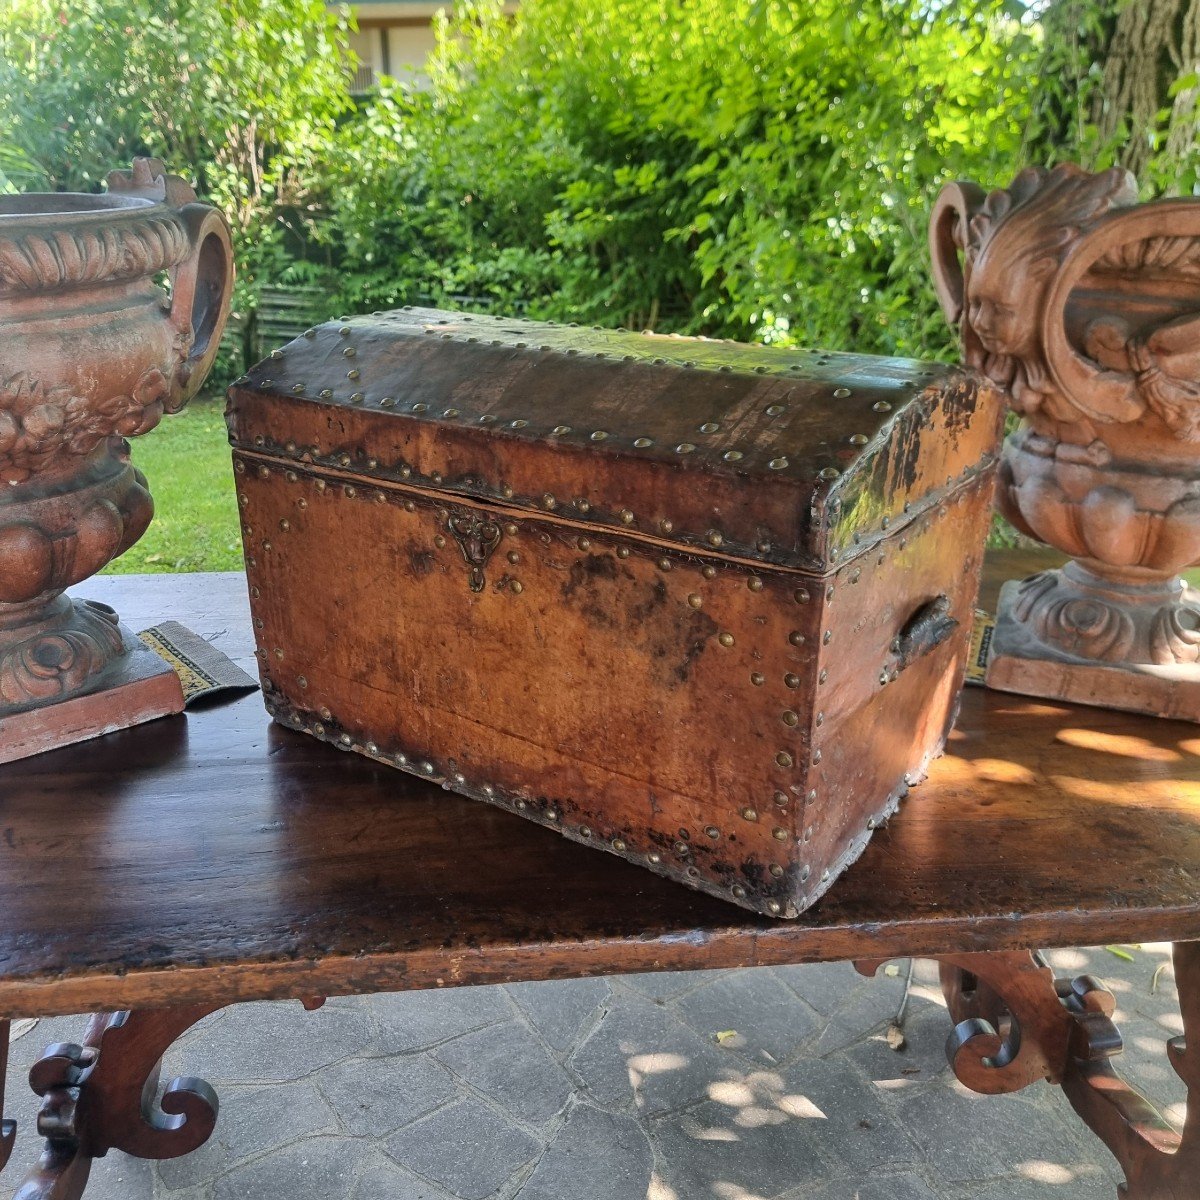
93, 351
1085, 305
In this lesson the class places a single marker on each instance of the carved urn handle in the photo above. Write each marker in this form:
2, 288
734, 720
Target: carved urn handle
201, 283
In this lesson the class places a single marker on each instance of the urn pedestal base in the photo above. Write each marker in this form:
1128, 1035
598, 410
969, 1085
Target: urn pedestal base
1024, 663
134, 687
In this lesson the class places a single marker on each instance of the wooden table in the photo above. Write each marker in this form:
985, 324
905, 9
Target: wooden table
158, 874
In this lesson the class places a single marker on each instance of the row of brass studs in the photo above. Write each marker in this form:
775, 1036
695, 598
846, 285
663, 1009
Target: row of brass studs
754, 583
428, 770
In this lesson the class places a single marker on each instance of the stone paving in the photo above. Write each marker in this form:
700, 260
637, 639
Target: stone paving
766, 1084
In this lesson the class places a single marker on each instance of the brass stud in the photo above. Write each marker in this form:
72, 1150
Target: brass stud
827, 637
709, 427
692, 872
310, 334
712, 831
239, 467
626, 516
439, 541
618, 845
324, 713
684, 448
357, 397
811, 798
642, 442
517, 586
511, 530
420, 408
387, 402
584, 831
801, 597
436, 476
780, 798
750, 814
828, 473
796, 638
774, 410
777, 871
584, 544
549, 501
488, 790
517, 424
285, 525
302, 503
805, 872
824, 675
348, 352
514, 557
790, 718
598, 435
298, 388
825, 876
726, 639
773, 907
666, 525
754, 583
777, 464
291, 476
881, 406
560, 430
714, 537
506, 491
276, 354
664, 564
820, 720
858, 439
779, 834
321, 485
583, 506
450, 412
654, 858
459, 779
738, 891
344, 331
682, 848
410, 506
870, 822
784, 759
791, 681
264, 472
622, 551
757, 678
709, 572
353, 373
841, 393
817, 756
694, 600
300, 679
829, 592
733, 456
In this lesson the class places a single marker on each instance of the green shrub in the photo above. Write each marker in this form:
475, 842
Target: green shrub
756, 170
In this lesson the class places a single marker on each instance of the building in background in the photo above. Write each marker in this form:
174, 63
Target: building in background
394, 38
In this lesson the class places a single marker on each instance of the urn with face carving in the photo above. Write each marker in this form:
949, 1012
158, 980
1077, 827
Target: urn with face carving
1085, 306
92, 352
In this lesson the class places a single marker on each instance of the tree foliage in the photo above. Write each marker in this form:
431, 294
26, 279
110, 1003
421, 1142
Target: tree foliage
756, 170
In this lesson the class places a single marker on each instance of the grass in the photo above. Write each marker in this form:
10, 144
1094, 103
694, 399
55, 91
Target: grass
195, 528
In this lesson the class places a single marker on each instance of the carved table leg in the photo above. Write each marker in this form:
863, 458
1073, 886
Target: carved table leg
1015, 1024
8, 1129
102, 1096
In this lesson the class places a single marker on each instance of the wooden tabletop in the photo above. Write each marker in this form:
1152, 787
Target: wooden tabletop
217, 856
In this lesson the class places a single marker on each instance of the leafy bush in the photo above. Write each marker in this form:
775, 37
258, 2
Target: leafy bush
758, 170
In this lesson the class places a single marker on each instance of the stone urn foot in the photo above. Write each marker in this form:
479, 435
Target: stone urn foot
1074, 635
93, 352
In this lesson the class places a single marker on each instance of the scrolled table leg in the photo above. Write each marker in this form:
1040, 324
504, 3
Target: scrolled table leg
8, 1129
101, 1095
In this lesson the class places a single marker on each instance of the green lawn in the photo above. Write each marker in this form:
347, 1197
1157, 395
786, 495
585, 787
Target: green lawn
195, 528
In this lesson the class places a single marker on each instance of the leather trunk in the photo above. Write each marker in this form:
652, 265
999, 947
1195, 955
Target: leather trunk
701, 605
